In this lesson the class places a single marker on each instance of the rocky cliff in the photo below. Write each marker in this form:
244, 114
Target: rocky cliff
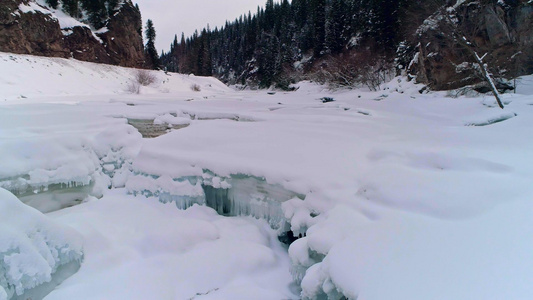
503, 30
29, 27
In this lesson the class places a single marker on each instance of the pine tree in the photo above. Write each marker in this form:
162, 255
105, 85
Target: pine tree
336, 26
318, 15
152, 58
72, 7
52, 3
112, 6
97, 12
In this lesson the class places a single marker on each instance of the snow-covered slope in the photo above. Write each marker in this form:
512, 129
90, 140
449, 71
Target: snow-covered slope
32, 77
395, 194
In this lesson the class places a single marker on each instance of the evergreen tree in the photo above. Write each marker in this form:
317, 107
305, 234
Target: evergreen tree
152, 58
52, 3
72, 8
318, 15
337, 26
112, 6
97, 12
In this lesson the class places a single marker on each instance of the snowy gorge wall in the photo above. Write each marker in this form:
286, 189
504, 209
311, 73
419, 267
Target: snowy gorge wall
501, 29
31, 27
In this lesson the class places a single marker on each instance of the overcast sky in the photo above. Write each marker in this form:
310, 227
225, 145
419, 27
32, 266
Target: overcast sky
172, 17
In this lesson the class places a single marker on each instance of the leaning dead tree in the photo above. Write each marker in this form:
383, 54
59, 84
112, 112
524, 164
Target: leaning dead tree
483, 68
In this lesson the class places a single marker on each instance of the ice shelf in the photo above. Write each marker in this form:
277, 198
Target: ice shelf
36, 254
236, 195
48, 196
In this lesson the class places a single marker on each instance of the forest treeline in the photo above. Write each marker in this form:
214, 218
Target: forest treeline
360, 42
286, 40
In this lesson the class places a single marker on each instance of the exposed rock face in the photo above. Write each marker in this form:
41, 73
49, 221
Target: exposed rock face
123, 41
504, 32
84, 46
39, 33
29, 33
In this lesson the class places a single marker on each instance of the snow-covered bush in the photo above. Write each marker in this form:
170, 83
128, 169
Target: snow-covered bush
144, 77
195, 87
141, 78
354, 69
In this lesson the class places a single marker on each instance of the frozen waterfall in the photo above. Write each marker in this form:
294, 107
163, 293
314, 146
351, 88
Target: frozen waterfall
236, 195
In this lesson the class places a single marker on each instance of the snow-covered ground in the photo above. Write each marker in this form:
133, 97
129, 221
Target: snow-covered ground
395, 194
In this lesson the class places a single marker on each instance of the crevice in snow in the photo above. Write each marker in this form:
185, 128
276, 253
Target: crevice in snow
493, 120
150, 129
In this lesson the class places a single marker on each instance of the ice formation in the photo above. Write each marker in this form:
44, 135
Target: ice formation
236, 195
48, 195
67, 163
33, 250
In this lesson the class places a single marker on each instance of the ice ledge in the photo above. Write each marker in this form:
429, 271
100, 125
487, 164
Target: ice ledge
33, 250
234, 195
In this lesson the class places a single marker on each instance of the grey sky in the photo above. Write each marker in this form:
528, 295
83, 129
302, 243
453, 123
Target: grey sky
175, 16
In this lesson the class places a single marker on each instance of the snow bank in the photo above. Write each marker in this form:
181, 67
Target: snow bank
409, 256
160, 252
32, 247
60, 78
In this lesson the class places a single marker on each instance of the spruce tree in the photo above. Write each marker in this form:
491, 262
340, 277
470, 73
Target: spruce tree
72, 7
112, 6
97, 12
318, 14
52, 3
152, 58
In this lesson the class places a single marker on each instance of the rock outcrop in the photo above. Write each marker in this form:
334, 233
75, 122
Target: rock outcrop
29, 33
503, 31
27, 28
123, 41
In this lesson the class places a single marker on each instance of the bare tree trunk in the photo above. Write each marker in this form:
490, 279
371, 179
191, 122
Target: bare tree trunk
461, 39
488, 79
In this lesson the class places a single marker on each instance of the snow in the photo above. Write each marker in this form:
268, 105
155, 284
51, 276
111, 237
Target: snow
33, 7
32, 247
160, 252
393, 194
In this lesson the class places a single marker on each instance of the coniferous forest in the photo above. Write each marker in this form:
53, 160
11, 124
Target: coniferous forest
284, 41
340, 42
